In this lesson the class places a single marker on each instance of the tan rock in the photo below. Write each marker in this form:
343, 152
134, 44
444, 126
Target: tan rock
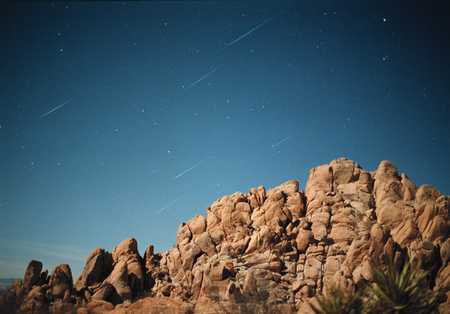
126, 247
60, 281
119, 280
98, 307
319, 231
405, 232
189, 254
205, 243
304, 238
344, 171
342, 232
155, 306
320, 179
98, 267
197, 225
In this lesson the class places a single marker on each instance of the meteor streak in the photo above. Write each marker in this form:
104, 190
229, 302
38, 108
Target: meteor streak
205, 76
248, 33
54, 109
280, 142
187, 170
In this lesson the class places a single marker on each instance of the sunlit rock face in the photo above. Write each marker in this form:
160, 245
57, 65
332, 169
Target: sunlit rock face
264, 251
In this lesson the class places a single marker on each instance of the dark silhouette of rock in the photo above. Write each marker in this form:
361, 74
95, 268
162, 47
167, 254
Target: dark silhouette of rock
32, 274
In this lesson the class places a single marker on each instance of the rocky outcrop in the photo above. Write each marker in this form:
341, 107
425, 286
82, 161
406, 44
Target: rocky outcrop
98, 267
61, 282
32, 275
265, 251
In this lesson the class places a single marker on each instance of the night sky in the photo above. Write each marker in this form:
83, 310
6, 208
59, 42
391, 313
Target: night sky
123, 120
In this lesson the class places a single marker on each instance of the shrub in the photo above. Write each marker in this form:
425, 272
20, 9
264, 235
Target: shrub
338, 301
404, 291
391, 292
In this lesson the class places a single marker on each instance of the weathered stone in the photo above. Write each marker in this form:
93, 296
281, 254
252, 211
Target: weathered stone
98, 267
32, 274
205, 243
125, 248
303, 239
197, 225
60, 281
119, 280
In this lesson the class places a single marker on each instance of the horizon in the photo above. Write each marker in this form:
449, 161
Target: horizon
126, 119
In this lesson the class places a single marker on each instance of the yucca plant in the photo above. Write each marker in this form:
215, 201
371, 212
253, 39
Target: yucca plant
392, 291
338, 301
404, 291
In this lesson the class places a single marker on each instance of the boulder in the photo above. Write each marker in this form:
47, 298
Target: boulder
60, 281
119, 280
32, 274
98, 266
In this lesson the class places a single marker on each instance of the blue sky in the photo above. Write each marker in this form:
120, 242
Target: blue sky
126, 119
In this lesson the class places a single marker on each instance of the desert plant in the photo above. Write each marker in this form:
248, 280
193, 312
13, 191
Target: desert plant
338, 301
393, 291
400, 291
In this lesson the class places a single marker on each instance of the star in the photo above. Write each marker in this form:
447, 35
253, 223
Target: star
61, 50
384, 20
385, 58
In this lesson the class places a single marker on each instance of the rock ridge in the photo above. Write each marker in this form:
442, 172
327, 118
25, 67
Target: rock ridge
264, 251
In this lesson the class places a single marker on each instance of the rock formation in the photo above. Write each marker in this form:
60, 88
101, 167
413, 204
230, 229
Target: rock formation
264, 251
